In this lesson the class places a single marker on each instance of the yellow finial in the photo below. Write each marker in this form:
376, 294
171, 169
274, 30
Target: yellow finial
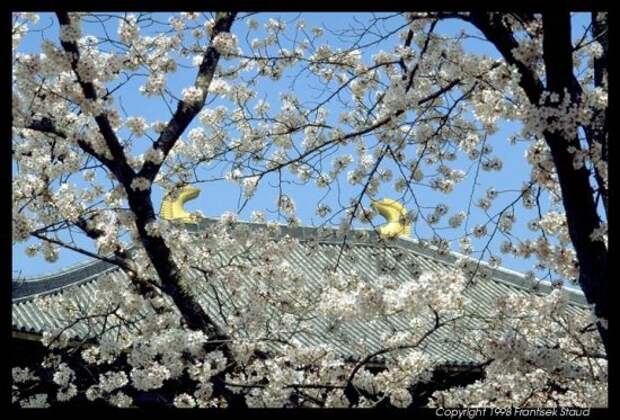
396, 216
172, 204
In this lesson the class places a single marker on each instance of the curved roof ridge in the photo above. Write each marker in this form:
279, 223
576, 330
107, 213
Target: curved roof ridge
81, 272
502, 274
49, 283
61, 271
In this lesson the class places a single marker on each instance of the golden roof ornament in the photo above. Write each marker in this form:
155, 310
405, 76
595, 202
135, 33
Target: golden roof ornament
172, 204
397, 218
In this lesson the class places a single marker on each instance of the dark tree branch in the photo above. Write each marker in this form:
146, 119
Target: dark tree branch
140, 201
118, 165
185, 112
491, 25
46, 125
597, 131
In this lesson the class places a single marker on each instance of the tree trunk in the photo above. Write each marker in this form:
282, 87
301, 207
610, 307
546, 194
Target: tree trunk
577, 192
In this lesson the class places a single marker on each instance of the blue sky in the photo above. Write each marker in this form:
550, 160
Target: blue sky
219, 197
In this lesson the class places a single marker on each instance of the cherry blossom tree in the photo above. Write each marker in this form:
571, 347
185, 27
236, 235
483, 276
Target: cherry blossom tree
403, 119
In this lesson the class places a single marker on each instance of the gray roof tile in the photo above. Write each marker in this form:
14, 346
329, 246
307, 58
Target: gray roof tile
27, 316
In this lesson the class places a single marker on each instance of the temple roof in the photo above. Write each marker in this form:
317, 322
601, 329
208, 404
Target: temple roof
349, 338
